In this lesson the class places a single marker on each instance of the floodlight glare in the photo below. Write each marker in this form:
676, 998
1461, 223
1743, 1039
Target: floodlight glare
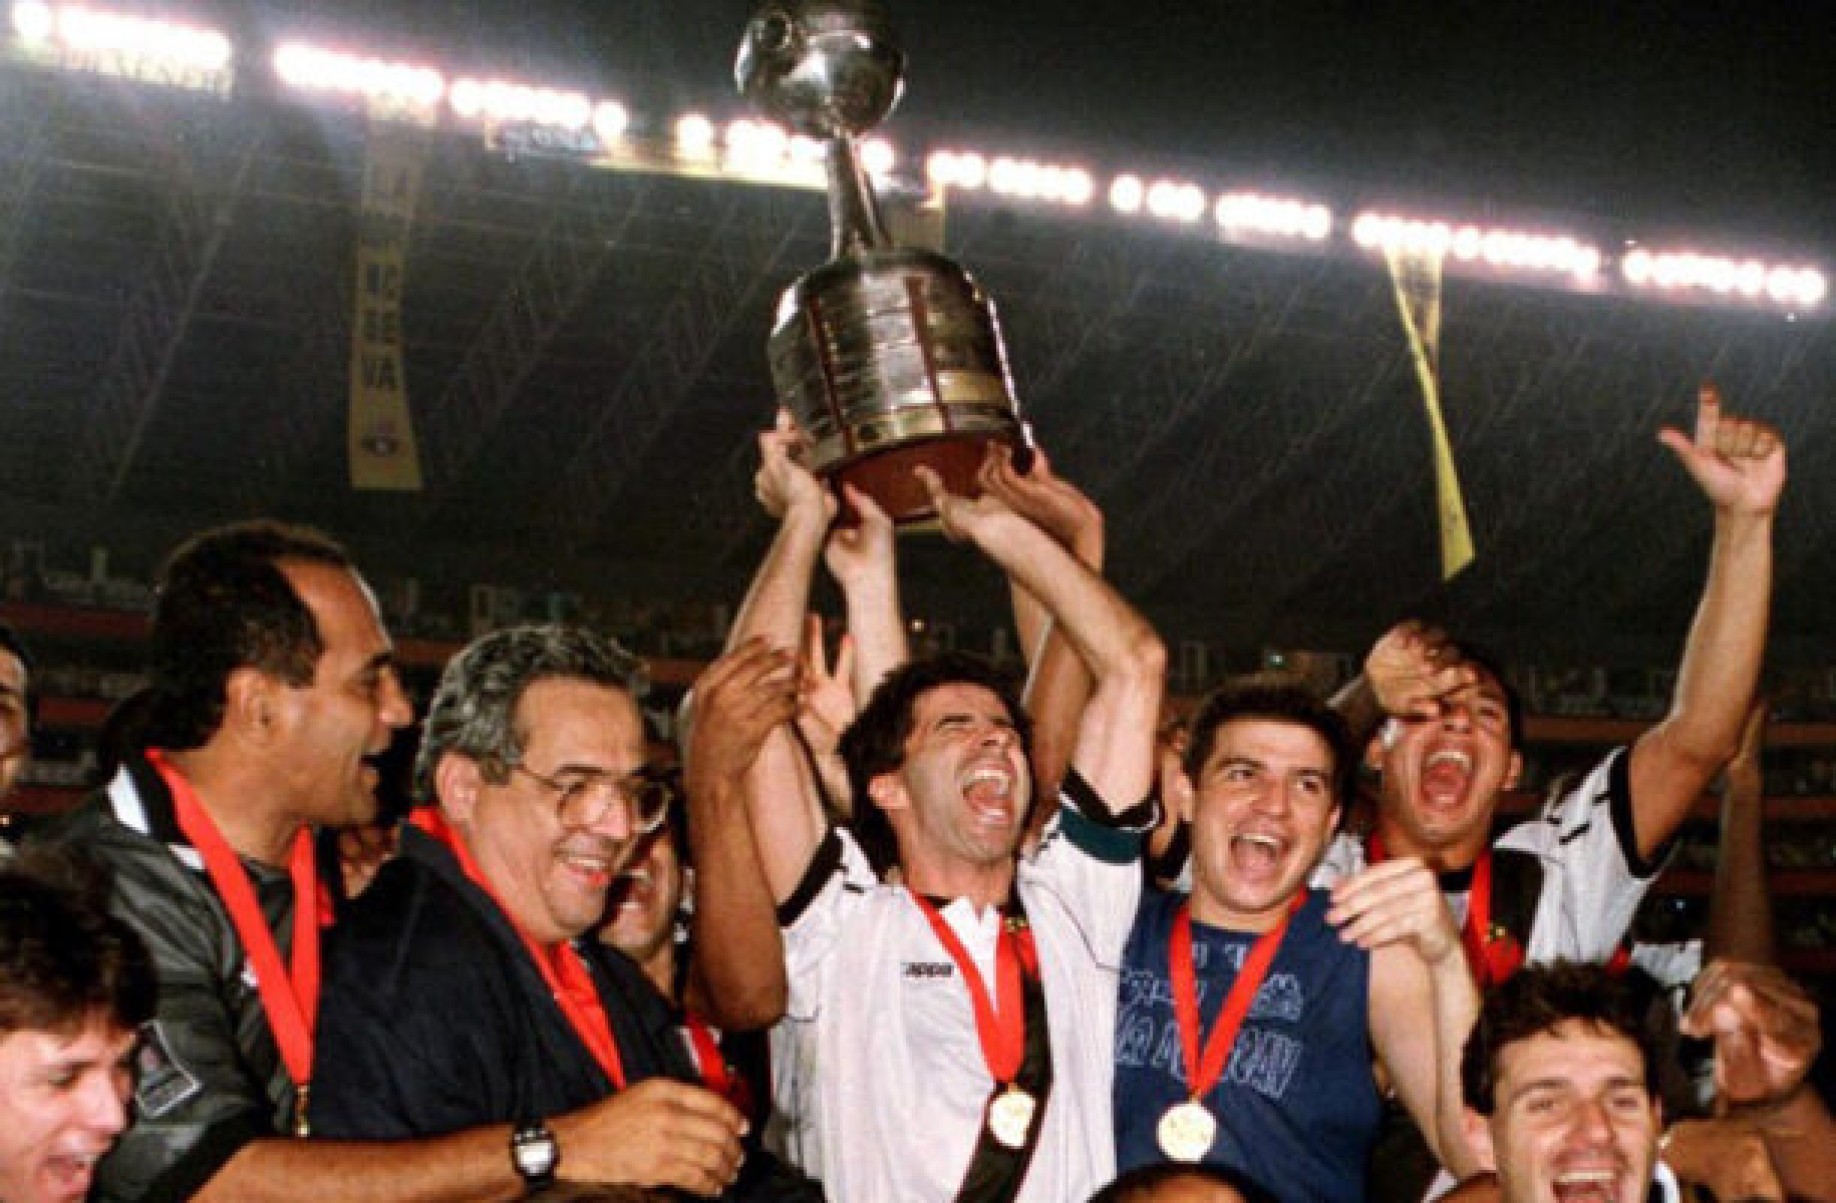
610, 120
1240, 213
1174, 200
878, 156
694, 135
33, 22
314, 69
91, 31
1126, 193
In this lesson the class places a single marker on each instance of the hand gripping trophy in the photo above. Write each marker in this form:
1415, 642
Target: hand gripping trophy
888, 357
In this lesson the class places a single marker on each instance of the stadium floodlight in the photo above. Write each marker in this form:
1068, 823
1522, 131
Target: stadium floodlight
505, 102
756, 147
35, 23
1176, 200
878, 157
317, 69
1250, 213
1687, 272
1126, 193
966, 170
610, 120
694, 136
137, 47
1501, 249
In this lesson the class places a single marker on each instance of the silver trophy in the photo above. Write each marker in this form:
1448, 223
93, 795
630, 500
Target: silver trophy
888, 357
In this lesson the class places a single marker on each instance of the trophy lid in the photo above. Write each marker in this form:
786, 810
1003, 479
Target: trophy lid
822, 67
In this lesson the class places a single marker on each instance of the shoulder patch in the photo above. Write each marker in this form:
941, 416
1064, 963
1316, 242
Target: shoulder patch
161, 1081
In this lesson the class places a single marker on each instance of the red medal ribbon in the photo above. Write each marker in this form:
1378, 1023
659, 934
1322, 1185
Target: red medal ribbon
561, 967
708, 1059
289, 994
1203, 1072
1000, 1022
1476, 936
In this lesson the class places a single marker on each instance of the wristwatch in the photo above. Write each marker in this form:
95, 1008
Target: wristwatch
534, 1152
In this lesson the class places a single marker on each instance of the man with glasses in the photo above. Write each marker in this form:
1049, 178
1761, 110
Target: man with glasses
458, 991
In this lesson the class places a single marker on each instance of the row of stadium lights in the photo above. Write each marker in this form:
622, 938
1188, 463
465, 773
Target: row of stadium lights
761, 151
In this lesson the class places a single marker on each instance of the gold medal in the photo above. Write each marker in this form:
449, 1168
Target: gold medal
1011, 1115
1186, 1131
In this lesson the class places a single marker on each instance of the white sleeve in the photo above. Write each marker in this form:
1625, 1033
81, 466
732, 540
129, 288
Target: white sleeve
1593, 880
1091, 861
814, 916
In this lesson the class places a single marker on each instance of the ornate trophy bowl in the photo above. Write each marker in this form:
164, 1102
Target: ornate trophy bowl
887, 357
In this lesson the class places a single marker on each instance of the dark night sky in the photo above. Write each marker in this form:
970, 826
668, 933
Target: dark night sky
1709, 117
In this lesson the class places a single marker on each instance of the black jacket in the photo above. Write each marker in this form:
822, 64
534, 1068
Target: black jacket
434, 1019
208, 1076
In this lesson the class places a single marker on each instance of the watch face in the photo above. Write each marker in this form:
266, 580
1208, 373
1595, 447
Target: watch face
534, 1152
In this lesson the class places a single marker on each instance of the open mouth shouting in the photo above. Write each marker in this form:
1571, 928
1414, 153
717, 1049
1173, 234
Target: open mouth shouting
69, 1174
1447, 772
1257, 856
990, 790
1596, 1184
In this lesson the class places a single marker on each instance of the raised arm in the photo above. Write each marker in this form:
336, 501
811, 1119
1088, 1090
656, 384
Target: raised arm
1767, 1036
1114, 751
1740, 910
787, 817
1740, 467
863, 563
736, 966
1058, 682
1418, 969
1410, 668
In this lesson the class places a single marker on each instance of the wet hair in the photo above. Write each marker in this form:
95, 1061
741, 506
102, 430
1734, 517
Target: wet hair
473, 711
874, 744
64, 960
1270, 699
1541, 998
224, 603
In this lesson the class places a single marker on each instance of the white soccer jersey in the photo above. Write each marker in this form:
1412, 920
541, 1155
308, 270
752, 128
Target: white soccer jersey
1592, 881
878, 1077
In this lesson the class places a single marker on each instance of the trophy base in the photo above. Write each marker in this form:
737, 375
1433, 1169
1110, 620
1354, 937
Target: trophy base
887, 476
889, 359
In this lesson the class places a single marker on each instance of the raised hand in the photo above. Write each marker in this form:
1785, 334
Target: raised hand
660, 1133
1412, 667
1395, 901
1738, 463
739, 699
1050, 502
826, 704
783, 482
1764, 1026
857, 553
960, 516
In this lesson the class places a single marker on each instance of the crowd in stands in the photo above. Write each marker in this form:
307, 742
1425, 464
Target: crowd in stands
902, 926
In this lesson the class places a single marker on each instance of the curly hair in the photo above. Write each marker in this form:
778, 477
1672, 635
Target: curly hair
473, 711
223, 604
875, 742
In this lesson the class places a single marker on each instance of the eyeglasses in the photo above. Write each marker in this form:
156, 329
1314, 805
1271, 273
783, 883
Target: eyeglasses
585, 796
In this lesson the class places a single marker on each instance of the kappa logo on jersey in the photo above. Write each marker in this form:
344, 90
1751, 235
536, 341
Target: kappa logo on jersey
161, 1082
929, 969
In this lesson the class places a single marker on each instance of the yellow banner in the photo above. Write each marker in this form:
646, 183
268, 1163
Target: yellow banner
381, 444
1417, 282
